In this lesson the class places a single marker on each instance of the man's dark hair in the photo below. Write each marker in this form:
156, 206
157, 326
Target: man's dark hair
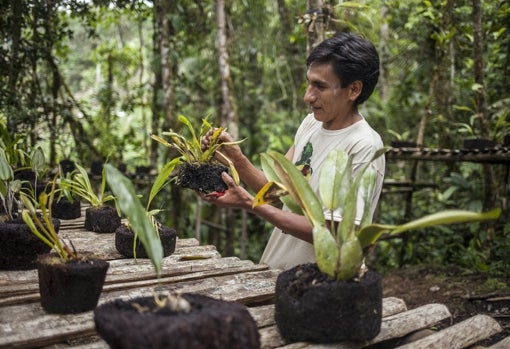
352, 58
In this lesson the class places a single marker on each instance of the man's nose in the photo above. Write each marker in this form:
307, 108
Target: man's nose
309, 96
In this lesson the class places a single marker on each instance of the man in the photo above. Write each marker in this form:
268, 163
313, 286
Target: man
342, 74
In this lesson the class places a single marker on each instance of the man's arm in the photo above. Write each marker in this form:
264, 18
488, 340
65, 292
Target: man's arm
238, 197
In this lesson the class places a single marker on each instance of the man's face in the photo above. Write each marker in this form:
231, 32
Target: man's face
329, 103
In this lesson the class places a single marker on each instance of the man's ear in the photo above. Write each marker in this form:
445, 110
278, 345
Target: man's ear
355, 89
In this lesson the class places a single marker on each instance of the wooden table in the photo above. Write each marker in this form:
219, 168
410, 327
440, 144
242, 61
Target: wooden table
201, 269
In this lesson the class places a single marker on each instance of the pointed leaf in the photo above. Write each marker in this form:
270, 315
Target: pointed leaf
446, 217
351, 258
267, 164
140, 222
332, 173
299, 189
162, 179
326, 250
269, 193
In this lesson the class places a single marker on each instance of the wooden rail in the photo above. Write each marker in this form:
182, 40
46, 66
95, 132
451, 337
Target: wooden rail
201, 269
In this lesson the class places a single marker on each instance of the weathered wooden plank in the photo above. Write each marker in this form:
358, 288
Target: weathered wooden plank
502, 344
393, 326
263, 315
460, 335
179, 272
25, 281
393, 305
103, 245
27, 325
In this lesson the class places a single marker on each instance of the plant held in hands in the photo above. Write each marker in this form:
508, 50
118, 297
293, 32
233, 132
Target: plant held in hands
196, 167
340, 248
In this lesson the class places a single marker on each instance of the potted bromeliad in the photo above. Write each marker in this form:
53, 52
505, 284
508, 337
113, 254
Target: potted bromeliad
166, 319
69, 282
18, 246
127, 241
197, 168
337, 298
100, 217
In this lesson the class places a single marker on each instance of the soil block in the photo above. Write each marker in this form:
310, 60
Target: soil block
70, 287
65, 209
210, 324
311, 306
19, 247
124, 242
204, 177
103, 219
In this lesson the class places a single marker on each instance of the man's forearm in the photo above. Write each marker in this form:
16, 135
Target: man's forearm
290, 223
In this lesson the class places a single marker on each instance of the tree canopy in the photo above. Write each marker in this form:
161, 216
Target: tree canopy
91, 80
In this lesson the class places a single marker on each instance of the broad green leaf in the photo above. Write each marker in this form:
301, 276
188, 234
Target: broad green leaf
351, 258
140, 222
446, 217
332, 173
367, 188
6, 172
326, 250
267, 164
38, 160
299, 189
371, 233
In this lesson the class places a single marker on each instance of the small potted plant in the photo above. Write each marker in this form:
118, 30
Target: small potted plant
68, 282
18, 246
337, 298
168, 320
99, 217
126, 239
197, 168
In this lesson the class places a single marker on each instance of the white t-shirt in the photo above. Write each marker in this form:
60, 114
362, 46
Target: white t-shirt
312, 145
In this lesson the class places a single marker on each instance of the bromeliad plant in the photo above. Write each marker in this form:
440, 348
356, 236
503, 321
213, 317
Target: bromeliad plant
340, 248
37, 215
194, 163
140, 220
80, 185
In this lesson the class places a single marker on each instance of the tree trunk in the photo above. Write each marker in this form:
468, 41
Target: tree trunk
163, 103
228, 116
491, 186
315, 24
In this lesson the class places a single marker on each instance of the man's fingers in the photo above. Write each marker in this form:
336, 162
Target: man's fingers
229, 181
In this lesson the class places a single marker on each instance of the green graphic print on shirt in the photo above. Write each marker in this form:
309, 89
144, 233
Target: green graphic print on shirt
304, 163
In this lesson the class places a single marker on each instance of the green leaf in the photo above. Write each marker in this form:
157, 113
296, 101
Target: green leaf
139, 220
368, 235
332, 188
38, 160
326, 250
351, 259
446, 217
6, 172
267, 164
299, 189
162, 179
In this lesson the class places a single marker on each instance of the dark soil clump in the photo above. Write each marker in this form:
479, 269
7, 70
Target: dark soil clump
204, 177
210, 324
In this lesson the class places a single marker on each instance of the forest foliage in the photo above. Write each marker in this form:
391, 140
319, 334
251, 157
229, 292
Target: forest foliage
92, 80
